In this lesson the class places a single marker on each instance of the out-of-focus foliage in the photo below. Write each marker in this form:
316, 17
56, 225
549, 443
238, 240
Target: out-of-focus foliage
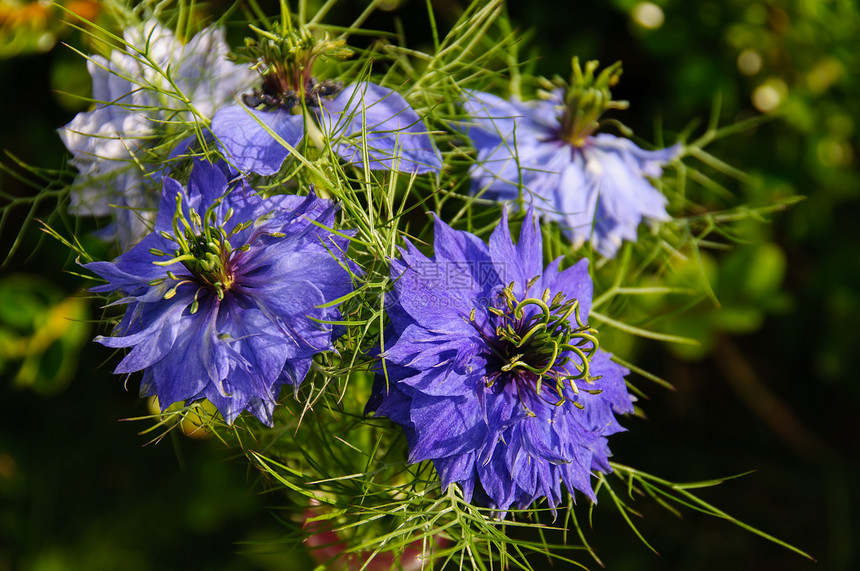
795, 60
41, 333
28, 26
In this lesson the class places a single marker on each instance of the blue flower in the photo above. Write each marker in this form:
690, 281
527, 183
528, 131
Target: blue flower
363, 118
594, 186
493, 372
223, 297
136, 109
395, 136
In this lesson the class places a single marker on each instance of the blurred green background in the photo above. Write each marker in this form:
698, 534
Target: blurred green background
772, 388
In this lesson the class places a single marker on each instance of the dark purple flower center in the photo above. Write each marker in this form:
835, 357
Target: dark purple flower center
276, 95
538, 341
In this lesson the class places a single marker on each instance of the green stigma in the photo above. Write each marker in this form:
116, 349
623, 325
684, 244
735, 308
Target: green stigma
551, 345
586, 98
203, 247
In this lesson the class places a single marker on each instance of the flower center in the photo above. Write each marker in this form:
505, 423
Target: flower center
203, 248
586, 99
285, 61
540, 341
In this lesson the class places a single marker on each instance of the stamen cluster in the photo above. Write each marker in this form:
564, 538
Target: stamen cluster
203, 247
534, 346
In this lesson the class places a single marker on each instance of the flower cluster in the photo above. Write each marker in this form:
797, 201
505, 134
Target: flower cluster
137, 106
219, 304
500, 383
414, 380
489, 363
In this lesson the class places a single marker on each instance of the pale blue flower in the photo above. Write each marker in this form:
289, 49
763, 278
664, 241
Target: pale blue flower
595, 186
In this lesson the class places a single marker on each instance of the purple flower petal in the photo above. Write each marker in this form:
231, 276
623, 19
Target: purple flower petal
365, 117
249, 138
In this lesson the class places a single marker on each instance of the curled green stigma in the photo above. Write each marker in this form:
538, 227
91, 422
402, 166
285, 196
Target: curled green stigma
285, 61
203, 247
587, 96
551, 344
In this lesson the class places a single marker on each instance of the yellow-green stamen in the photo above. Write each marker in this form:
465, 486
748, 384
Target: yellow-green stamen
538, 348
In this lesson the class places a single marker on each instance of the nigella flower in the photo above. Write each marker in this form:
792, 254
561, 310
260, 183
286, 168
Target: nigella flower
258, 135
137, 110
493, 371
223, 297
544, 151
